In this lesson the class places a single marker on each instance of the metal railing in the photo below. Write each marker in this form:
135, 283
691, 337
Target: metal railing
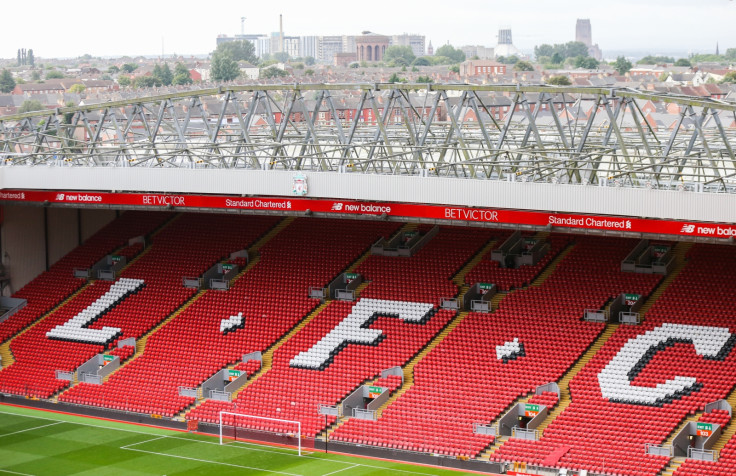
484, 429
524, 434
629, 318
363, 414
702, 455
659, 450
596, 315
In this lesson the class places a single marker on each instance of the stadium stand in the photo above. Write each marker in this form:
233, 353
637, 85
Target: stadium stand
272, 297
48, 289
186, 247
609, 436
467, 368
463, 382
290, 392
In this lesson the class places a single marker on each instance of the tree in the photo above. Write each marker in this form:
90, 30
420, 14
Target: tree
113, 69
512, 59
30, 105
730, 53
650, 59
424, 79
223, 68
455, 68
36, 75
20, 58
523, 66
309, 60
77, 88
145, 82
31, 58
394, 78
124, 81
559, 80
54, 75
729, 77
556, 58
242, 50
7, 83
621, 65
395, 53
421, 61
683, 62
585, 62
570, 49
162, 74
181, 75
281, 56
309, 72
129, 67
456, 56
272, 72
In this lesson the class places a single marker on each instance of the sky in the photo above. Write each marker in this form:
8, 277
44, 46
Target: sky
135, 27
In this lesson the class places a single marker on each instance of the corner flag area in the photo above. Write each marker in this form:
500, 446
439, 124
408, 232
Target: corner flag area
34, 442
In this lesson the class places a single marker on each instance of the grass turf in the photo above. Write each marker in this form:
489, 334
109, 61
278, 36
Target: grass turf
34, 442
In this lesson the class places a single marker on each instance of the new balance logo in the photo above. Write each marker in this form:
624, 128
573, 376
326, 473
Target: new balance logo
60, 197
687, 229
337, 206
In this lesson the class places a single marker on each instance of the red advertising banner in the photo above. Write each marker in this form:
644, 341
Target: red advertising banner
403, 210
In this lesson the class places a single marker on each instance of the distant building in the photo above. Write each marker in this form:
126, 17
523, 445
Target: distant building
505, 45
344, 59
482, 68
371, 46
416, 42
328, 47
482, 52
308, 46
584, 34
430, 49
291, 46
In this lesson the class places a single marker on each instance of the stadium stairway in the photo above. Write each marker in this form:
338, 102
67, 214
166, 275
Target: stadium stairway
140, 344
7, 354
671, 468
266, 362
5, 351
564, 382
267, 356
680, 252
408, 369
252, 251
730, 429
499, 440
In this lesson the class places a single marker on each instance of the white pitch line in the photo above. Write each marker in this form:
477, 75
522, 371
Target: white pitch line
31, 429
261, 448
141, 442
211, 462
14, 472
343, 469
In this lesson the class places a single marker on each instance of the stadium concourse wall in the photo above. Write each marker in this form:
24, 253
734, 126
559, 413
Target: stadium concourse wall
336, 447
586, 199
34, 238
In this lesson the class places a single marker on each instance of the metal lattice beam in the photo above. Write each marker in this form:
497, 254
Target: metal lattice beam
532, 133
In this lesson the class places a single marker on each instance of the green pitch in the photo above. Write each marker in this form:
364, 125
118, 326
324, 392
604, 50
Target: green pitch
36, 443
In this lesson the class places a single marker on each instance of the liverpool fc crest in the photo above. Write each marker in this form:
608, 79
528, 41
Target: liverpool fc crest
300, 184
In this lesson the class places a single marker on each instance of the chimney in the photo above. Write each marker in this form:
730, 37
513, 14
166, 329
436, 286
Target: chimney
281, 34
